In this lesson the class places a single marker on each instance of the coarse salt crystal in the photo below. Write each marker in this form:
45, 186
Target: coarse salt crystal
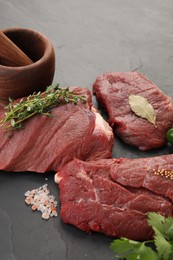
27, 193
41, 200
45, 215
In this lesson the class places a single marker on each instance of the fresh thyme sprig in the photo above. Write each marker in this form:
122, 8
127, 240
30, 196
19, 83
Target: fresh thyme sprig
38, 103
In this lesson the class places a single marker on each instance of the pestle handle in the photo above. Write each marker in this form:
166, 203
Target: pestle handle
10, 54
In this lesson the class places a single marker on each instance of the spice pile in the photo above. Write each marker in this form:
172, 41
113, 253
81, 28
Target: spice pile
41, 200
164, 172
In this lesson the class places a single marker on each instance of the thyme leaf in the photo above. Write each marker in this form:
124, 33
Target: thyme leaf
38, 103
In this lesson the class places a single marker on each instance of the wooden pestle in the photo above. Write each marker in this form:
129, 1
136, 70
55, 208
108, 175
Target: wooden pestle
10, 54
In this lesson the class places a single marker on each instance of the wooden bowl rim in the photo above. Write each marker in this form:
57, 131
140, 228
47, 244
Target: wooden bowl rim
48, 52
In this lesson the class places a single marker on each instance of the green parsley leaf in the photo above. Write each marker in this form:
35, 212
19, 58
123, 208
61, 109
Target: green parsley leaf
163, 242
162, 224
163, 246
132, 250
163, 234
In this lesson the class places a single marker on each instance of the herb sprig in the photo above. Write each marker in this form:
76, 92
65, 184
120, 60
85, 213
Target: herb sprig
38, 103
163, 242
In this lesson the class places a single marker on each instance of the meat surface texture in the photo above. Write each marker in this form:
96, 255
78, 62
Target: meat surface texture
110, 196
112, 91
47, 143
154, 174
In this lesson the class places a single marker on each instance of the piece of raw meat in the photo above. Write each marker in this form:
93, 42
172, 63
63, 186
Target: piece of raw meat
154, 174
112, 91
92, 201
102, 139
47, 143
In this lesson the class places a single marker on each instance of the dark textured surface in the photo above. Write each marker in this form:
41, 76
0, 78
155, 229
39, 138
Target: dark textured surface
90, 38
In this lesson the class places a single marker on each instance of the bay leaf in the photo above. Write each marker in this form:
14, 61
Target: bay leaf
142, 108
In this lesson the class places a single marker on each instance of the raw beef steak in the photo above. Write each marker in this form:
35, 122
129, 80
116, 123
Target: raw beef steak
112, 91
154, 174
92, 200
47, 143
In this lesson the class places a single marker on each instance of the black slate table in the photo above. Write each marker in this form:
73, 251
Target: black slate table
90, 37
